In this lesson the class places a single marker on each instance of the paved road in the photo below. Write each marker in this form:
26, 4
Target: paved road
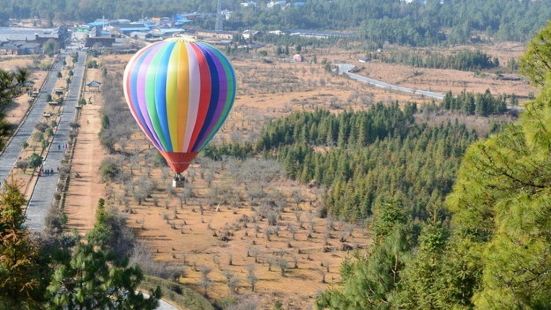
43, 193
11, 152
163, 305
345, 69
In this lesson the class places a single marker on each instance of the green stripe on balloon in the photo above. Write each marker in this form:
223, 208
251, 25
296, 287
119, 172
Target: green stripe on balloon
150, 97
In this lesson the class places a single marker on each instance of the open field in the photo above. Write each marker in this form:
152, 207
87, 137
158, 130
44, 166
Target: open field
220, 228
220, 224
443, 80
15, 112
272, 87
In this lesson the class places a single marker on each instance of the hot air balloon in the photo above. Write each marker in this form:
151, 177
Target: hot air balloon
180, 92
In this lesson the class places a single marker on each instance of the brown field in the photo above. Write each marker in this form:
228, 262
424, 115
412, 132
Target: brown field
442, 80
15, 112
85, 187
190, 234
217, 225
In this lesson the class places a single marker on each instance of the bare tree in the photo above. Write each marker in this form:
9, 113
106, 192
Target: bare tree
270, 231
254, 252
297, 197
272, 217
295, 262
205, 282
251, 277
270, 262
292, 230
283, 264
143, 189
209, 176
232, 281
322, 274
187, 192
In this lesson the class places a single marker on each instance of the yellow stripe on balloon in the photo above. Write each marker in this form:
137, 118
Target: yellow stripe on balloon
182, 95
172, 95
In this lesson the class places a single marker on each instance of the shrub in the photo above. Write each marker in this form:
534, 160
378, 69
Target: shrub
110, 169
41, 127
35, 160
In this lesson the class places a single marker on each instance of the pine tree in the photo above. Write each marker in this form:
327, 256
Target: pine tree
95, 278
19, 269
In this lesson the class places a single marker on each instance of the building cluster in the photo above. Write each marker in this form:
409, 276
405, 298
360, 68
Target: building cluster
282, 4
27, 41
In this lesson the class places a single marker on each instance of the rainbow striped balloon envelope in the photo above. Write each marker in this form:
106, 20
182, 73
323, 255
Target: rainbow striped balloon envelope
180, 92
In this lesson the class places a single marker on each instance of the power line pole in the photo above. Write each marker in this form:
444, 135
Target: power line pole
218, 27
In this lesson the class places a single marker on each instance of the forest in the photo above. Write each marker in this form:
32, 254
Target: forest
458, 220
491, 249
463, 60
480, 104
364, 158
377, 21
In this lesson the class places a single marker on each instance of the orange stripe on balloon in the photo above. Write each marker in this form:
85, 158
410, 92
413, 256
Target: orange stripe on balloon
182, 96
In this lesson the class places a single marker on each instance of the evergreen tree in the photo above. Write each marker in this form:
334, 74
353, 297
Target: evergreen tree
95, 278
19, 269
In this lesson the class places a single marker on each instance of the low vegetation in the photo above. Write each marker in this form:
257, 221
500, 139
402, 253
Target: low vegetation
463, 60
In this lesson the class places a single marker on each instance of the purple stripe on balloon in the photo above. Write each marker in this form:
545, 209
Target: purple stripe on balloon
223, 93
140, 89
133, 97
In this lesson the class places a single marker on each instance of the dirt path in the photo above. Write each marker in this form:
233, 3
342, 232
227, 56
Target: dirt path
85, 190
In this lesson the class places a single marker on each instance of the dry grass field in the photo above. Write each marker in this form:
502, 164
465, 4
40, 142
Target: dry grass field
85, 187
216, 219
15, 112
221, 231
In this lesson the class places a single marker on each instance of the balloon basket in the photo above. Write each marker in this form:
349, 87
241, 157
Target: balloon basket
178, 181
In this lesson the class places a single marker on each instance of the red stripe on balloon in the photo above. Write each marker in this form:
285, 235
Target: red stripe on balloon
205, 94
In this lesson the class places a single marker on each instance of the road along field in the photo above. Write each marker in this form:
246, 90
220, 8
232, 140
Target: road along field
45, 187
12, 151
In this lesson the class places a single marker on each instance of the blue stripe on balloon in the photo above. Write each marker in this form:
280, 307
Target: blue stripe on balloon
213, 99
229, 107
160, 92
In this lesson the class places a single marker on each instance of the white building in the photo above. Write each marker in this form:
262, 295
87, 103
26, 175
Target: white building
248, 4
272, 4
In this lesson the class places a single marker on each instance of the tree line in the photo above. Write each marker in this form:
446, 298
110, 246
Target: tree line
393, 21
465, 60
478, 104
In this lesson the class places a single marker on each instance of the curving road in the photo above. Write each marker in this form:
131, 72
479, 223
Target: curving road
346, 68
11, 152
45, 187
